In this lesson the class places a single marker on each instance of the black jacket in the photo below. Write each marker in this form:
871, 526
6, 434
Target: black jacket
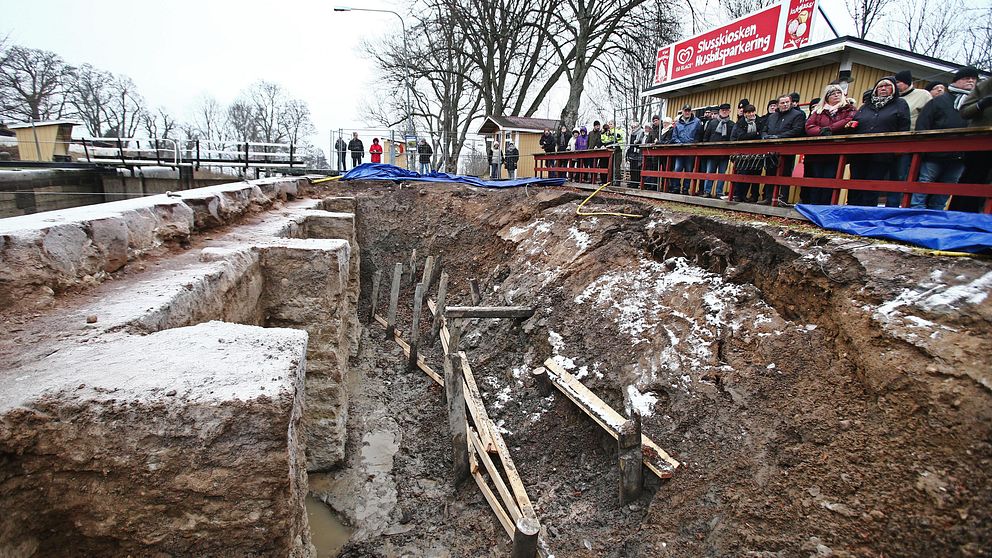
511, 157
563, 139
425, 152
740, 132
788, 124
356, 147
340, 146
549, 143
893, 117
710, 133
940, 114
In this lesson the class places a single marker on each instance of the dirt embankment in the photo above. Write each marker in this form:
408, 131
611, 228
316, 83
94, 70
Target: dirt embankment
827, 395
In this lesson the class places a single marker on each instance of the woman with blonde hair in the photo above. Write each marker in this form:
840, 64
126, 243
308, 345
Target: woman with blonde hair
830, 116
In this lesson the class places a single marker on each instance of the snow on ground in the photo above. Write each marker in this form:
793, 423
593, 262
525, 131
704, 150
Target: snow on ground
643, 403
936, 296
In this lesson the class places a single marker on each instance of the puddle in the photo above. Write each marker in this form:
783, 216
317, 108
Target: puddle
328, 533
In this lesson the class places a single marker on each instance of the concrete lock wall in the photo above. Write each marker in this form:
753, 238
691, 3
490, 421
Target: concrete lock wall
157, 428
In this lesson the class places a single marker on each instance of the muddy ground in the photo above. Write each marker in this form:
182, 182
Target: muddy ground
827, 395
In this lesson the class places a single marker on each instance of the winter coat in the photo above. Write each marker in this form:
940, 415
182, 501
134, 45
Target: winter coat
512, 156
425, 151
916, 99
357, 148
740, 132
633, 154
939, 114
548, 143
788, 124
710, 133
666, 136
495, 157
978, 112
564, 139
340, 146
375, 150
817, 121
893, 117
687, 131
595, 139
582, 142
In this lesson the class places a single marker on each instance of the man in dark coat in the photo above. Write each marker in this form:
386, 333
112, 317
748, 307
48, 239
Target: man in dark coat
786, 122
548, 142
746, 129
342, 148
357, 149
947, 168
718, 128
688, 130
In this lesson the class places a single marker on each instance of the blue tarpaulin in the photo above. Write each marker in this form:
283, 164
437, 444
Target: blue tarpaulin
382, 171
939, 230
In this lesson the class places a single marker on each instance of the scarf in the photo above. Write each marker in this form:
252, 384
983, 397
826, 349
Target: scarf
752, 126
880, 102
959, 97
721, 127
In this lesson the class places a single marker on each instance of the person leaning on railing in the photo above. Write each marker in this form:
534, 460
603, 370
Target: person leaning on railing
976, 107
883, 112
633, 155
829, 117
786, 122
747, 128
688, 129
719, 128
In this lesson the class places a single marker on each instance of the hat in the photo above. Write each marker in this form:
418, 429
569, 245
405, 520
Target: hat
966, 72
687, 107
933, 84
814, 101
795, 97
743, 103
905, 76
866, 96
773, 102
724, 106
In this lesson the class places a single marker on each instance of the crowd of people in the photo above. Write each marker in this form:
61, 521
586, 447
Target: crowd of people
356, 148
892, 105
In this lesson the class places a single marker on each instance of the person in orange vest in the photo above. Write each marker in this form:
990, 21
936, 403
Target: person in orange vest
375, 150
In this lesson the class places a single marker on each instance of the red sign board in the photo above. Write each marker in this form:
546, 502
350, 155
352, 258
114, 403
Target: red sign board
780, 27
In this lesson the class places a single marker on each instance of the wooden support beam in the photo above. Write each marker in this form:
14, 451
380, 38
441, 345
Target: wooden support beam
475, 291
376, 283
442, 292
540, 377
504, 520
455, 391
656, 459
504, 491
394, 300
489, 311
428, 271
413, 266
454, 335
421, 363
418, 300
631, 457
435, 271
525, 538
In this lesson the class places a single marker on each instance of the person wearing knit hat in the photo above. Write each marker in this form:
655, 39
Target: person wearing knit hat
740, 108
936, 88
827, 117
977, 109
966, 72
884, 112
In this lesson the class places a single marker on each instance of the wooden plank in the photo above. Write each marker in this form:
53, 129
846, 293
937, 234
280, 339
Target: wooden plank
421, 363
376, 283
488, 312
525, 538
526, 508
475, 291
413, 266
655, 458
418, 299
394, 299
442, 292
428, 273
630, 459
504, 520
494, 474
454, 388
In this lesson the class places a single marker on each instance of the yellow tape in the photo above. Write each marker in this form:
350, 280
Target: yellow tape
328, 179
578, 210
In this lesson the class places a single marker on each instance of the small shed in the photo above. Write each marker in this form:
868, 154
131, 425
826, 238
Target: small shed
524, 132
44, 141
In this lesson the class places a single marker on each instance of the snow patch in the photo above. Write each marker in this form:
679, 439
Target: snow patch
643, 403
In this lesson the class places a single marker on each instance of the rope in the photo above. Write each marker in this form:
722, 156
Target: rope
578, 210
328, 179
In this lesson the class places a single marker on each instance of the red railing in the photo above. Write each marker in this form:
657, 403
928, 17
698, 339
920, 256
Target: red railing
915, 144
574, 162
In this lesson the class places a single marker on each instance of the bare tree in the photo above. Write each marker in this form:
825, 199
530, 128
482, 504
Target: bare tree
866, 13
159, 124
919, 27
740, 8
89, 93
266, 100
31, 84
209, 120
295, 120
240, 122
978, 41
124, 111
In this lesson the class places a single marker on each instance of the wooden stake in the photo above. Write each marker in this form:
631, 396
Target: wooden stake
454, 335
631, 459
376, 281
525, 538
489, 311
435, 271
455, 391
426, 278
394, 300
442, 291
541, 382
413, 266
476, 292
418, 300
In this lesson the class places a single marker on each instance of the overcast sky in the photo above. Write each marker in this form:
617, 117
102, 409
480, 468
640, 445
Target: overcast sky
182, 50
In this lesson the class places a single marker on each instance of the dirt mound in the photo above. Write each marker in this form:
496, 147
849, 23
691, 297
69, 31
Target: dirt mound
826, 395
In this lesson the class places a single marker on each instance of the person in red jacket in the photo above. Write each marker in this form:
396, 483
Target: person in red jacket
376, 151
830, 116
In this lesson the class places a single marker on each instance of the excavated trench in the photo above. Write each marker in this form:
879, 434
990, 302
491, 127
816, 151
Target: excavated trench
827, 396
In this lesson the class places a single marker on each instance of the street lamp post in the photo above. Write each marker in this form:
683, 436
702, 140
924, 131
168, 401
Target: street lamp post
406, 66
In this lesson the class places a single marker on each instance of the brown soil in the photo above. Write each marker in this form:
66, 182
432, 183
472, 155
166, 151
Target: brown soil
814, 414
